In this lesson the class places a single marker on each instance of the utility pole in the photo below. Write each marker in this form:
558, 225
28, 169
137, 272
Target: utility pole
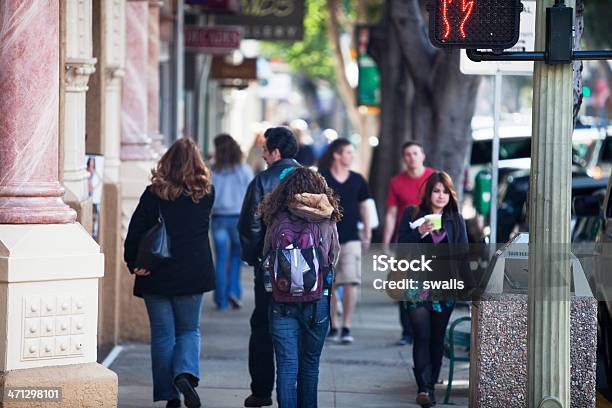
548, 364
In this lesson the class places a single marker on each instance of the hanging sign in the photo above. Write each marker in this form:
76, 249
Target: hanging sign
212, 40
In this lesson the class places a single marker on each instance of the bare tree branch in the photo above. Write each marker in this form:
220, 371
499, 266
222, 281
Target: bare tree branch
344, 88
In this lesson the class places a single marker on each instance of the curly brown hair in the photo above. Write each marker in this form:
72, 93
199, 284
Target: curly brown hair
298, 181
227, 152
181, 170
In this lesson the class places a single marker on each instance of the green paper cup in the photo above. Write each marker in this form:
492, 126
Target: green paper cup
436, 220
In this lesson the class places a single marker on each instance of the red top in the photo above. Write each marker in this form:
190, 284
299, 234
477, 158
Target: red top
405, 191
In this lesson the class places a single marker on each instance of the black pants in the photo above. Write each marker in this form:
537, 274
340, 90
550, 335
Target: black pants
429, 328
404, 321
261, 351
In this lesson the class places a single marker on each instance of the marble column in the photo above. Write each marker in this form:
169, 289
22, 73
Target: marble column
29, 101
135, 140
153, 78
112, 46
49, 265
79, 65
105, 112
137, 155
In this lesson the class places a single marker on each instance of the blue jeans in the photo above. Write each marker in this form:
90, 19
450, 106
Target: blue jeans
175, 340
298, 341
227, 255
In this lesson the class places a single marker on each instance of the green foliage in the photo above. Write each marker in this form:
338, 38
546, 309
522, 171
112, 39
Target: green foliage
312, 56
374, 10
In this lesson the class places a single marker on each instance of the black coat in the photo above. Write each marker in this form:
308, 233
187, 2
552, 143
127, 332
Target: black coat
457, 245
250, 225
191, 269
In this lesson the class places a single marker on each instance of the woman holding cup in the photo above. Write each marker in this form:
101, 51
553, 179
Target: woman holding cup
436, 220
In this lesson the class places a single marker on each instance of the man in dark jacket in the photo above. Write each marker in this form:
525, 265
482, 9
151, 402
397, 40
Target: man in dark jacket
279, 151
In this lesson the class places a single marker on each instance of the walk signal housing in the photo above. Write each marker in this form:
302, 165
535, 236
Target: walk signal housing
489, 24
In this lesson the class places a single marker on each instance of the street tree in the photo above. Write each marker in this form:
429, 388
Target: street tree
320, 58
424, 95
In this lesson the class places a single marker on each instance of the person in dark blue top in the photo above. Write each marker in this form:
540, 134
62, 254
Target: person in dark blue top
428, 317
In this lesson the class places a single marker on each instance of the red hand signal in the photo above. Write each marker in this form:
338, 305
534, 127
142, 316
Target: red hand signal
466, 9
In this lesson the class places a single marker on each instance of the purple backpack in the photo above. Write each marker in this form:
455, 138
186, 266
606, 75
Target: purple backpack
296, 264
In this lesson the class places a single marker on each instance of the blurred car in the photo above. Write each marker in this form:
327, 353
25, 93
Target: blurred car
591, 158
512, 214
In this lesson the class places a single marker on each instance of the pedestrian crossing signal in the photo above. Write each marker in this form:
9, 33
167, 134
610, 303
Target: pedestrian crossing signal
490, 24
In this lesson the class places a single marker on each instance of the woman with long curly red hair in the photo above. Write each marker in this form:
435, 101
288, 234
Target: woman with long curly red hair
181, 192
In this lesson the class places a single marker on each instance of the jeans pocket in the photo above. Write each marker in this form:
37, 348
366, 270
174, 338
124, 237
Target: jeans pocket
322, 311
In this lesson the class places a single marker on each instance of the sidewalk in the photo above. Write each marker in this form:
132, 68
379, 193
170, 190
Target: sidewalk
371, 373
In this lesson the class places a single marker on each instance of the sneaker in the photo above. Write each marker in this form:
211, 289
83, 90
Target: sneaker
346, 337
404, 341
235, 302
333, 335
183, 383
423, 400
254, 401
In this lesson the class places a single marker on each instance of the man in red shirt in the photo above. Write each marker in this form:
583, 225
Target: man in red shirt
405, 191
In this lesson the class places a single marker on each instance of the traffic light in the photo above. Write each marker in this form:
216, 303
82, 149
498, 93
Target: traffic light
490, 24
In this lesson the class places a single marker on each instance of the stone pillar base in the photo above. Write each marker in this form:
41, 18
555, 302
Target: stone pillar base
82, 385
110, 241
84, 210
498, 366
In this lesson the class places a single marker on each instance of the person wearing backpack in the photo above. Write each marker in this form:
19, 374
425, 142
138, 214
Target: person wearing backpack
301, 247
279, 149
429, 317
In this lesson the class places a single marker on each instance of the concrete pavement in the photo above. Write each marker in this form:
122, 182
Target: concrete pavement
371, 373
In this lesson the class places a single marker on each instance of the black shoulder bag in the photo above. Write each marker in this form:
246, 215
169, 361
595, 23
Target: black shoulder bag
154, 246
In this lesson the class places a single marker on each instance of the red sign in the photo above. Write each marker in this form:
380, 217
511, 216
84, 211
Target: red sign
489, 24
231, 6
212, 40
